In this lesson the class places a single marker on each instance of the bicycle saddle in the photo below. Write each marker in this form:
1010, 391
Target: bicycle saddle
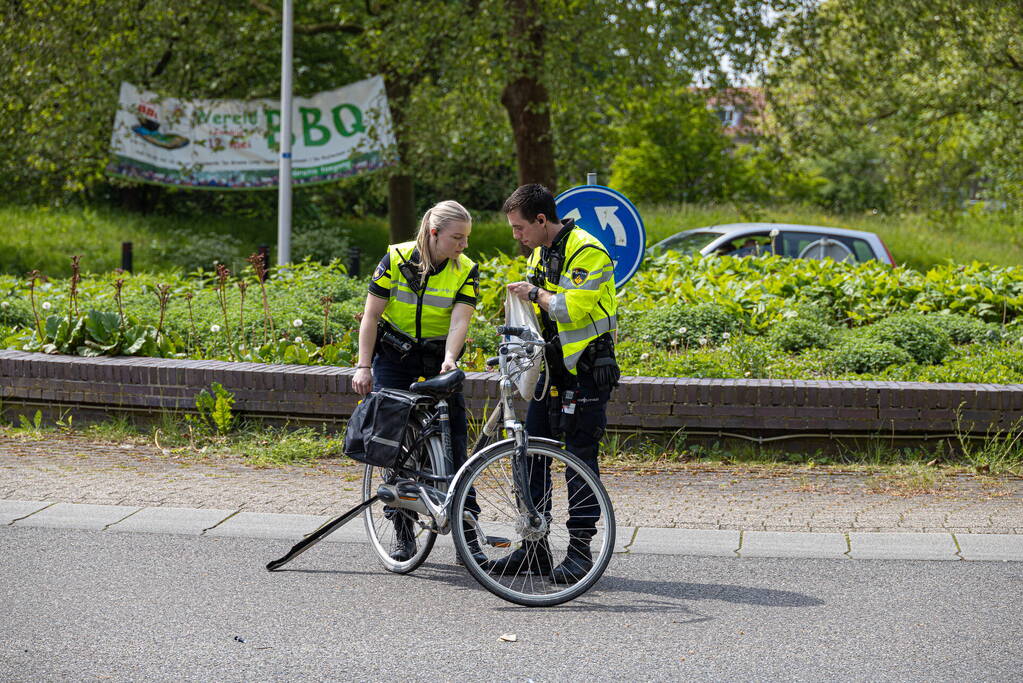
441, 385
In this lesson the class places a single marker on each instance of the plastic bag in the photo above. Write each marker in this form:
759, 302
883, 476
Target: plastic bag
525, 371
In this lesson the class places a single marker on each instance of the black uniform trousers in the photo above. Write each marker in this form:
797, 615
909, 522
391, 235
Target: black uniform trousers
581, 431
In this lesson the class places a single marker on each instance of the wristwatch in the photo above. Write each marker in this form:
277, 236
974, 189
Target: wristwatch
534, 293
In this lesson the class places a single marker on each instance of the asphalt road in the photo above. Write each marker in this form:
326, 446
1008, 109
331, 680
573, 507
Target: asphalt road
83, 605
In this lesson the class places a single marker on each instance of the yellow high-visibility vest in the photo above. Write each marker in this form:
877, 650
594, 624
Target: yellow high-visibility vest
424, 314
584, 305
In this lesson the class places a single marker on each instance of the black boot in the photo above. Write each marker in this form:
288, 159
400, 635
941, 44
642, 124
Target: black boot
533, 557
472, 540
404, 539
577, 562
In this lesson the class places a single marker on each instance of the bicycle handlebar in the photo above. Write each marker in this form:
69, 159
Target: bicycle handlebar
511, 331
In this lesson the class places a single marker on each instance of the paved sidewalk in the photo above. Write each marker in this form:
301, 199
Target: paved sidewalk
630, 540
678, 509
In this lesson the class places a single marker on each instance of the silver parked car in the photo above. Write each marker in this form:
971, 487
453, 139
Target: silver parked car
794, 241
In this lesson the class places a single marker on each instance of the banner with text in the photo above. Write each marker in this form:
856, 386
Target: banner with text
230, 144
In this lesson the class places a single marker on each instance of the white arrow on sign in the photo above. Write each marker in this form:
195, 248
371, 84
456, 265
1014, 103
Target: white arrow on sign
608, 219
574, 215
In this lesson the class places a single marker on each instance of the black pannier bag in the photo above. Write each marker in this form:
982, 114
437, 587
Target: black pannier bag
377, 426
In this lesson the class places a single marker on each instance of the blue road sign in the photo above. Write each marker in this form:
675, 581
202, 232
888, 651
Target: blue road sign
612, 219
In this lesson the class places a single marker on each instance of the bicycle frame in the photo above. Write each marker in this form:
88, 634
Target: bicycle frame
432, 501
504, 413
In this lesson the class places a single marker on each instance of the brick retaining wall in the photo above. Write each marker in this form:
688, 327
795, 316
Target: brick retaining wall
103, 386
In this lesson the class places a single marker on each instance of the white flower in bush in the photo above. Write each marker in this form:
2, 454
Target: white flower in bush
674, 342
726, 335
703, 341
5, 304
644, 356
214, 328
298, 340
682, 330
297, 322
46, 305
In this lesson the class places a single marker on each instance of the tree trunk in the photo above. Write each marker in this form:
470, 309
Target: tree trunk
528, 107
401, 208
401, 199
525, 98
137, 198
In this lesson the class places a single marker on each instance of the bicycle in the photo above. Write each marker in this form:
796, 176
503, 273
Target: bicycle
421, 494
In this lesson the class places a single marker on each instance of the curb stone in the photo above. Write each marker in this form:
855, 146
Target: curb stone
629, 540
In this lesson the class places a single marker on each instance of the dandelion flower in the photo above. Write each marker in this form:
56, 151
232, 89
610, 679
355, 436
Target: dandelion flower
644, 356
298, 340
682, 330
297, 322
214, 328
703, 341
46, 305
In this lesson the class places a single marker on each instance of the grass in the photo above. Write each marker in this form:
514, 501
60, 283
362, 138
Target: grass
910, 468
44, 238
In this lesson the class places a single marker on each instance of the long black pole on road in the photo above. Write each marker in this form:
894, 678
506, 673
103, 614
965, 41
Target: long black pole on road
320, 534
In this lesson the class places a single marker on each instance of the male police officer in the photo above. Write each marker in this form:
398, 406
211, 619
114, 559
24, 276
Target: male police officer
571, 281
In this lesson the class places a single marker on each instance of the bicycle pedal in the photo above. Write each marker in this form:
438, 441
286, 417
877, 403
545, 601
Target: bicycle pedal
498, 542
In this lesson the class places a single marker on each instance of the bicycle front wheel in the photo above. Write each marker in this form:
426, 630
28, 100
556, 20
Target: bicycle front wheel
541, 560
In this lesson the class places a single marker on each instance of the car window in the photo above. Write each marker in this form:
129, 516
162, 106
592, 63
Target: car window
793, 244
750, 244
687, 243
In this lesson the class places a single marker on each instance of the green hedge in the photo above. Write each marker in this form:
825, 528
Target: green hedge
720, 317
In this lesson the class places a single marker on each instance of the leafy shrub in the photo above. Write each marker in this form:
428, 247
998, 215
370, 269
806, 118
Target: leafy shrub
96, 333
963, 330
16, 311
685, 325
976, 363
660, 135
797, 334
215, 409
198, 251
861, 355
924, 340
321, 244
750, 356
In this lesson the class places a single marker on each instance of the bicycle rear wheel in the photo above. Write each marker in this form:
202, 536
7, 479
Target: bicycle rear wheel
395, 535
504, 527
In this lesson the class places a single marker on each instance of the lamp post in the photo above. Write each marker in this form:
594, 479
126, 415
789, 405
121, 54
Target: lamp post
284, 172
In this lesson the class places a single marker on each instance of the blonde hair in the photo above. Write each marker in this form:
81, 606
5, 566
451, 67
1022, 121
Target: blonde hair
438, 217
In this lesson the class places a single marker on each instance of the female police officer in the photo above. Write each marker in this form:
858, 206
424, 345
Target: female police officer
417, 313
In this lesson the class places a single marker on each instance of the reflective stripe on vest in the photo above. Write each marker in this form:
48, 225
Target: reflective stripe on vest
424, 315
584, 305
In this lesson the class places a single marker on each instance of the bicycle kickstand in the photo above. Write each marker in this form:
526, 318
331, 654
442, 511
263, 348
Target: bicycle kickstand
320, 534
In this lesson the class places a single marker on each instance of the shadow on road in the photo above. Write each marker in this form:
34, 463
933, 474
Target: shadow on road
616, 594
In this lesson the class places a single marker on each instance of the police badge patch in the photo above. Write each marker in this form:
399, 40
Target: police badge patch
379, 272
579, 276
